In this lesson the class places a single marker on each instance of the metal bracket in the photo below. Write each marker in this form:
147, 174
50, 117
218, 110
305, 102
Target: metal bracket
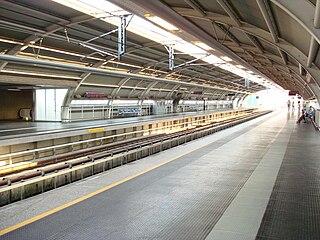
171, 56
101, 52
121, 38
170, 50
246, 82
186, 63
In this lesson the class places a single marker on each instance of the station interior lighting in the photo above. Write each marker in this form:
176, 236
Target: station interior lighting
159, 21
227, 59
203, 45
111, 13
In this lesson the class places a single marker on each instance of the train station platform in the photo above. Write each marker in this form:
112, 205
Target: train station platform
15, 132
257, 180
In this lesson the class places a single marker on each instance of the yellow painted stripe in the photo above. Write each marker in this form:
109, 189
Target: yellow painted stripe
94, 130
57, 209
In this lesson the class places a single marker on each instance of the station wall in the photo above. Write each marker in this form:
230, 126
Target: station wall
12, 101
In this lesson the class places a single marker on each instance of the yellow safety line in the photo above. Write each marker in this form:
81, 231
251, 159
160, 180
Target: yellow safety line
57, 209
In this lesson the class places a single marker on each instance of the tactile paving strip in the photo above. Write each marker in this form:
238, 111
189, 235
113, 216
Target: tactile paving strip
293, 211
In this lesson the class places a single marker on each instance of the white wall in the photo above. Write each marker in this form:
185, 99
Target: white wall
48, 104
267, 99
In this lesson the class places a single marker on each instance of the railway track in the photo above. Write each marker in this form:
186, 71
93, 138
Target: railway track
59, 163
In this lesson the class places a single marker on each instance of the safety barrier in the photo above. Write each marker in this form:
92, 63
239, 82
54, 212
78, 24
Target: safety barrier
33, 154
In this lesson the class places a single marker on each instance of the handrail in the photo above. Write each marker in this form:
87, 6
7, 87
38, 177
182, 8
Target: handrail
90, 140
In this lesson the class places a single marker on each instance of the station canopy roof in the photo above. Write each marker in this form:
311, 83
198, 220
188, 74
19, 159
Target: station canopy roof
216, 48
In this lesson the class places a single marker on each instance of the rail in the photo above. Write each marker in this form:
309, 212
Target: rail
28, 183
36, 151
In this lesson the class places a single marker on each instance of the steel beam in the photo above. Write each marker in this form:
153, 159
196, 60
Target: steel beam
226, 7
305, 18
127, 55
283, 56
255, 42
49, 30
196, 6
314, 46
165, 12
234, 16
76, 68
265, 36
317, 15
267, 15
301, 70
227, 33
148, 89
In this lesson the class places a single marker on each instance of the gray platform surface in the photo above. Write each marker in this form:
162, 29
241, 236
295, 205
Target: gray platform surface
208, 190
293, 211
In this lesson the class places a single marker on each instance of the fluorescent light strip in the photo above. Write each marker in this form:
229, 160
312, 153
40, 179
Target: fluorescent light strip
32, 55
111, 86
203, 45
227, 59
126, 87
39, 74
10, 41
159, 21
148, 30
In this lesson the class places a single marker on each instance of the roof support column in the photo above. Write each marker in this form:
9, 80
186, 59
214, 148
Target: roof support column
314, 45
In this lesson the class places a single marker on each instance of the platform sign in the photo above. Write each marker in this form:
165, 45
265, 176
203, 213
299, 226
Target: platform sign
95, 130
293, 93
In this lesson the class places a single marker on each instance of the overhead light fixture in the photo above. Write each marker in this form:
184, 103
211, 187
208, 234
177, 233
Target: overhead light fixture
213, 60
40, 74
14, 89
145, 28
227, 59
240, 66
10, 41
162, 23
203, 45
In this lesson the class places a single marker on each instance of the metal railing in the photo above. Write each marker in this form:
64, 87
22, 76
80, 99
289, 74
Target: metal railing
97, 112
163, 129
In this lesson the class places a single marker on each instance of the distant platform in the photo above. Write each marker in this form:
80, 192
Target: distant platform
20, 131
